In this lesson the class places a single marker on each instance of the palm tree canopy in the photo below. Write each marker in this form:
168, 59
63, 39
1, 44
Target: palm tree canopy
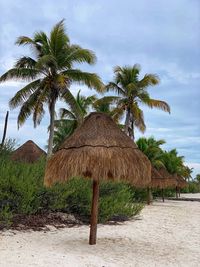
175, 163
151, 148
78, 108
50, 73
132, 92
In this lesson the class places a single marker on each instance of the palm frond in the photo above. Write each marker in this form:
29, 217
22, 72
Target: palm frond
149, 80
76, 54
65, 113
24, 40
111, 86
74, 107
92, 80
24, 93
154, 103
20, 74
58, 39
25, 62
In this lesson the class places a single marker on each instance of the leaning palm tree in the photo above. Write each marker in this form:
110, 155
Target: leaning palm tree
151, 148
131, 92
49, 75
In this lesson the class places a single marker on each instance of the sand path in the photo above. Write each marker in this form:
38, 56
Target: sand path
166, 234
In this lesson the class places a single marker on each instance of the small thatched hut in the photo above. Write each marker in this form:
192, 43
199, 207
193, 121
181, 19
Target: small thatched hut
99, 150
157, 181
170, 180
181, 182
29, 152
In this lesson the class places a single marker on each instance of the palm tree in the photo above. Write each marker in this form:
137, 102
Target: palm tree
151, 148
50, 74
70, 118
175, 163
197, 178
131, 92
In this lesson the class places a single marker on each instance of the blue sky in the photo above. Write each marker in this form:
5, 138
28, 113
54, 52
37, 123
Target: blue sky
162, 36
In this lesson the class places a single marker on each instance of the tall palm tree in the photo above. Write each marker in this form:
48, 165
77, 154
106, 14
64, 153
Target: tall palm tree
131, 93
49, 75
151, 148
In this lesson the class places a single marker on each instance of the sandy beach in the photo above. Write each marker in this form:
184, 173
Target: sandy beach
165, 234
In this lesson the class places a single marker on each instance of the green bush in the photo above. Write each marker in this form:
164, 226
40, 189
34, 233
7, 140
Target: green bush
168, 192
193, 187
22, 192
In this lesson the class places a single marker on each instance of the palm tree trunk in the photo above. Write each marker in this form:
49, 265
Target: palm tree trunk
51, 130
132, 130
5, 130
127, 121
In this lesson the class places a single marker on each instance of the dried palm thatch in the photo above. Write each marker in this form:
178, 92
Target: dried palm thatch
181, 183
98, 149
29, 152
157, 181
170, 180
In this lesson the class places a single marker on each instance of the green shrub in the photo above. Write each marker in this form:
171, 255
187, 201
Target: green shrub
22, 192
193, 187
168, 192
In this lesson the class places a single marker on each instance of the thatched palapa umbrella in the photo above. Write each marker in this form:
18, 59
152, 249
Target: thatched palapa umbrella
157, 181
99, 150
181, 183
29, 152
170, 180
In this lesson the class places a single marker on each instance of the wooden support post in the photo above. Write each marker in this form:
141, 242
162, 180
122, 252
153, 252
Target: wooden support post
94, 213
176, 192
163, 197
179, 192
148, 195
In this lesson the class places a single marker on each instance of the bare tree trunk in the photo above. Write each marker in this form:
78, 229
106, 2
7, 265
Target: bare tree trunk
51, 130
5, 129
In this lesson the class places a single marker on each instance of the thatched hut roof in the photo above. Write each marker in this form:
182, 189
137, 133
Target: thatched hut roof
170, 180
29, 152
157, 181
181, 182
98, 149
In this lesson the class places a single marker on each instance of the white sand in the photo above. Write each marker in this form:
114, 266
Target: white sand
190, 195
166, 234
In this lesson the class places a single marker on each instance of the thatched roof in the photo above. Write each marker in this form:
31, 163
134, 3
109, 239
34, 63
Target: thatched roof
98, 149
181, 182
29, 152
170, 180
157, 181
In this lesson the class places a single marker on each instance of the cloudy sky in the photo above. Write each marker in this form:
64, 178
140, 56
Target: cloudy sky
162, 36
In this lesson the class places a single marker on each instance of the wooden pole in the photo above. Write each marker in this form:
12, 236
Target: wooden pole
163, 197
179, 191
5, 130
148, 195
94, 213
176, 192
